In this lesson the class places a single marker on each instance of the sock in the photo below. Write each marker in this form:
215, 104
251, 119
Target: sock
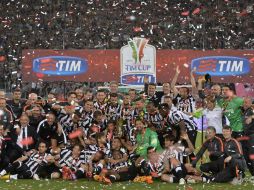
98, 170
205, 178
179, 172
3, 172
112, 178
14, 176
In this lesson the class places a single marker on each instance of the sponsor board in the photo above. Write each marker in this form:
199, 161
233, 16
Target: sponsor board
60, 65
221, 65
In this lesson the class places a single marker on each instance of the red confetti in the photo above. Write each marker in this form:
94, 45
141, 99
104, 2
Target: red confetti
27, 141
75, 134
137, 29
95, 128
196, 11
2, 58
40, 75
186, 13
251, 156
70, 107
243, 13
252, 60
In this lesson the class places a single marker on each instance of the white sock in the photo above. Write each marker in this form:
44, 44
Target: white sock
14, 176
3, 172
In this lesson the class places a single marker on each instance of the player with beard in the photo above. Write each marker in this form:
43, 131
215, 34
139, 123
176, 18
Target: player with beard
87, 113
155, 121
101, 102
126, 115
185, 102
139, 110
16, 103
113, 109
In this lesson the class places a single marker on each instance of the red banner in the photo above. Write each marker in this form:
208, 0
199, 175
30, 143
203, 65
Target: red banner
104, 65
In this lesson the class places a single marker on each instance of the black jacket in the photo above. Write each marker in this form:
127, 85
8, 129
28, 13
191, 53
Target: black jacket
214, 146
31, 132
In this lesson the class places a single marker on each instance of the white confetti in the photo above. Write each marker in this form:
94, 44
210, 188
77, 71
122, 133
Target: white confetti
186, 65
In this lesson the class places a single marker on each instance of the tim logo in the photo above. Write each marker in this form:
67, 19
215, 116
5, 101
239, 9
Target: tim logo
60, 65
221, 65
137, 45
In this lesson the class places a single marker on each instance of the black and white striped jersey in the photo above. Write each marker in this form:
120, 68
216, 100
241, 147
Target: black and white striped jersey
100, 106
63, 113
185, 105
126, 112
35, 160
158, 166
87, 122
175, 117
67, 124
175, 151
130, 134
155, 119
67, 159
86, 115
64, 155
117, 166
89, 151
137, 114
122, 150
113, 111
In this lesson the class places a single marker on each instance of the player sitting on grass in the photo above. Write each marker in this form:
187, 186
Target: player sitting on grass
154, 166
95, 164
174, 154
26, 166
118, 171
71, 163
231, 166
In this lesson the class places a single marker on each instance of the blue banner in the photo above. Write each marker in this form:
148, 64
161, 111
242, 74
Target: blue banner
221, 65
60, 65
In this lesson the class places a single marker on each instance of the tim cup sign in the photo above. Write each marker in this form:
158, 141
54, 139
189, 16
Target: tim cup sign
138, 60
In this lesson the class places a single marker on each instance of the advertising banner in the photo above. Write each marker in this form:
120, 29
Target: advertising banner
138, 60
131, 64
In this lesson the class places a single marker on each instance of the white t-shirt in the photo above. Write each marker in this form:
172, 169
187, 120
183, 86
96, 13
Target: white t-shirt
214, 118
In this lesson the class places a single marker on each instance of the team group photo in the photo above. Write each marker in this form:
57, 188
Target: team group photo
126, 94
